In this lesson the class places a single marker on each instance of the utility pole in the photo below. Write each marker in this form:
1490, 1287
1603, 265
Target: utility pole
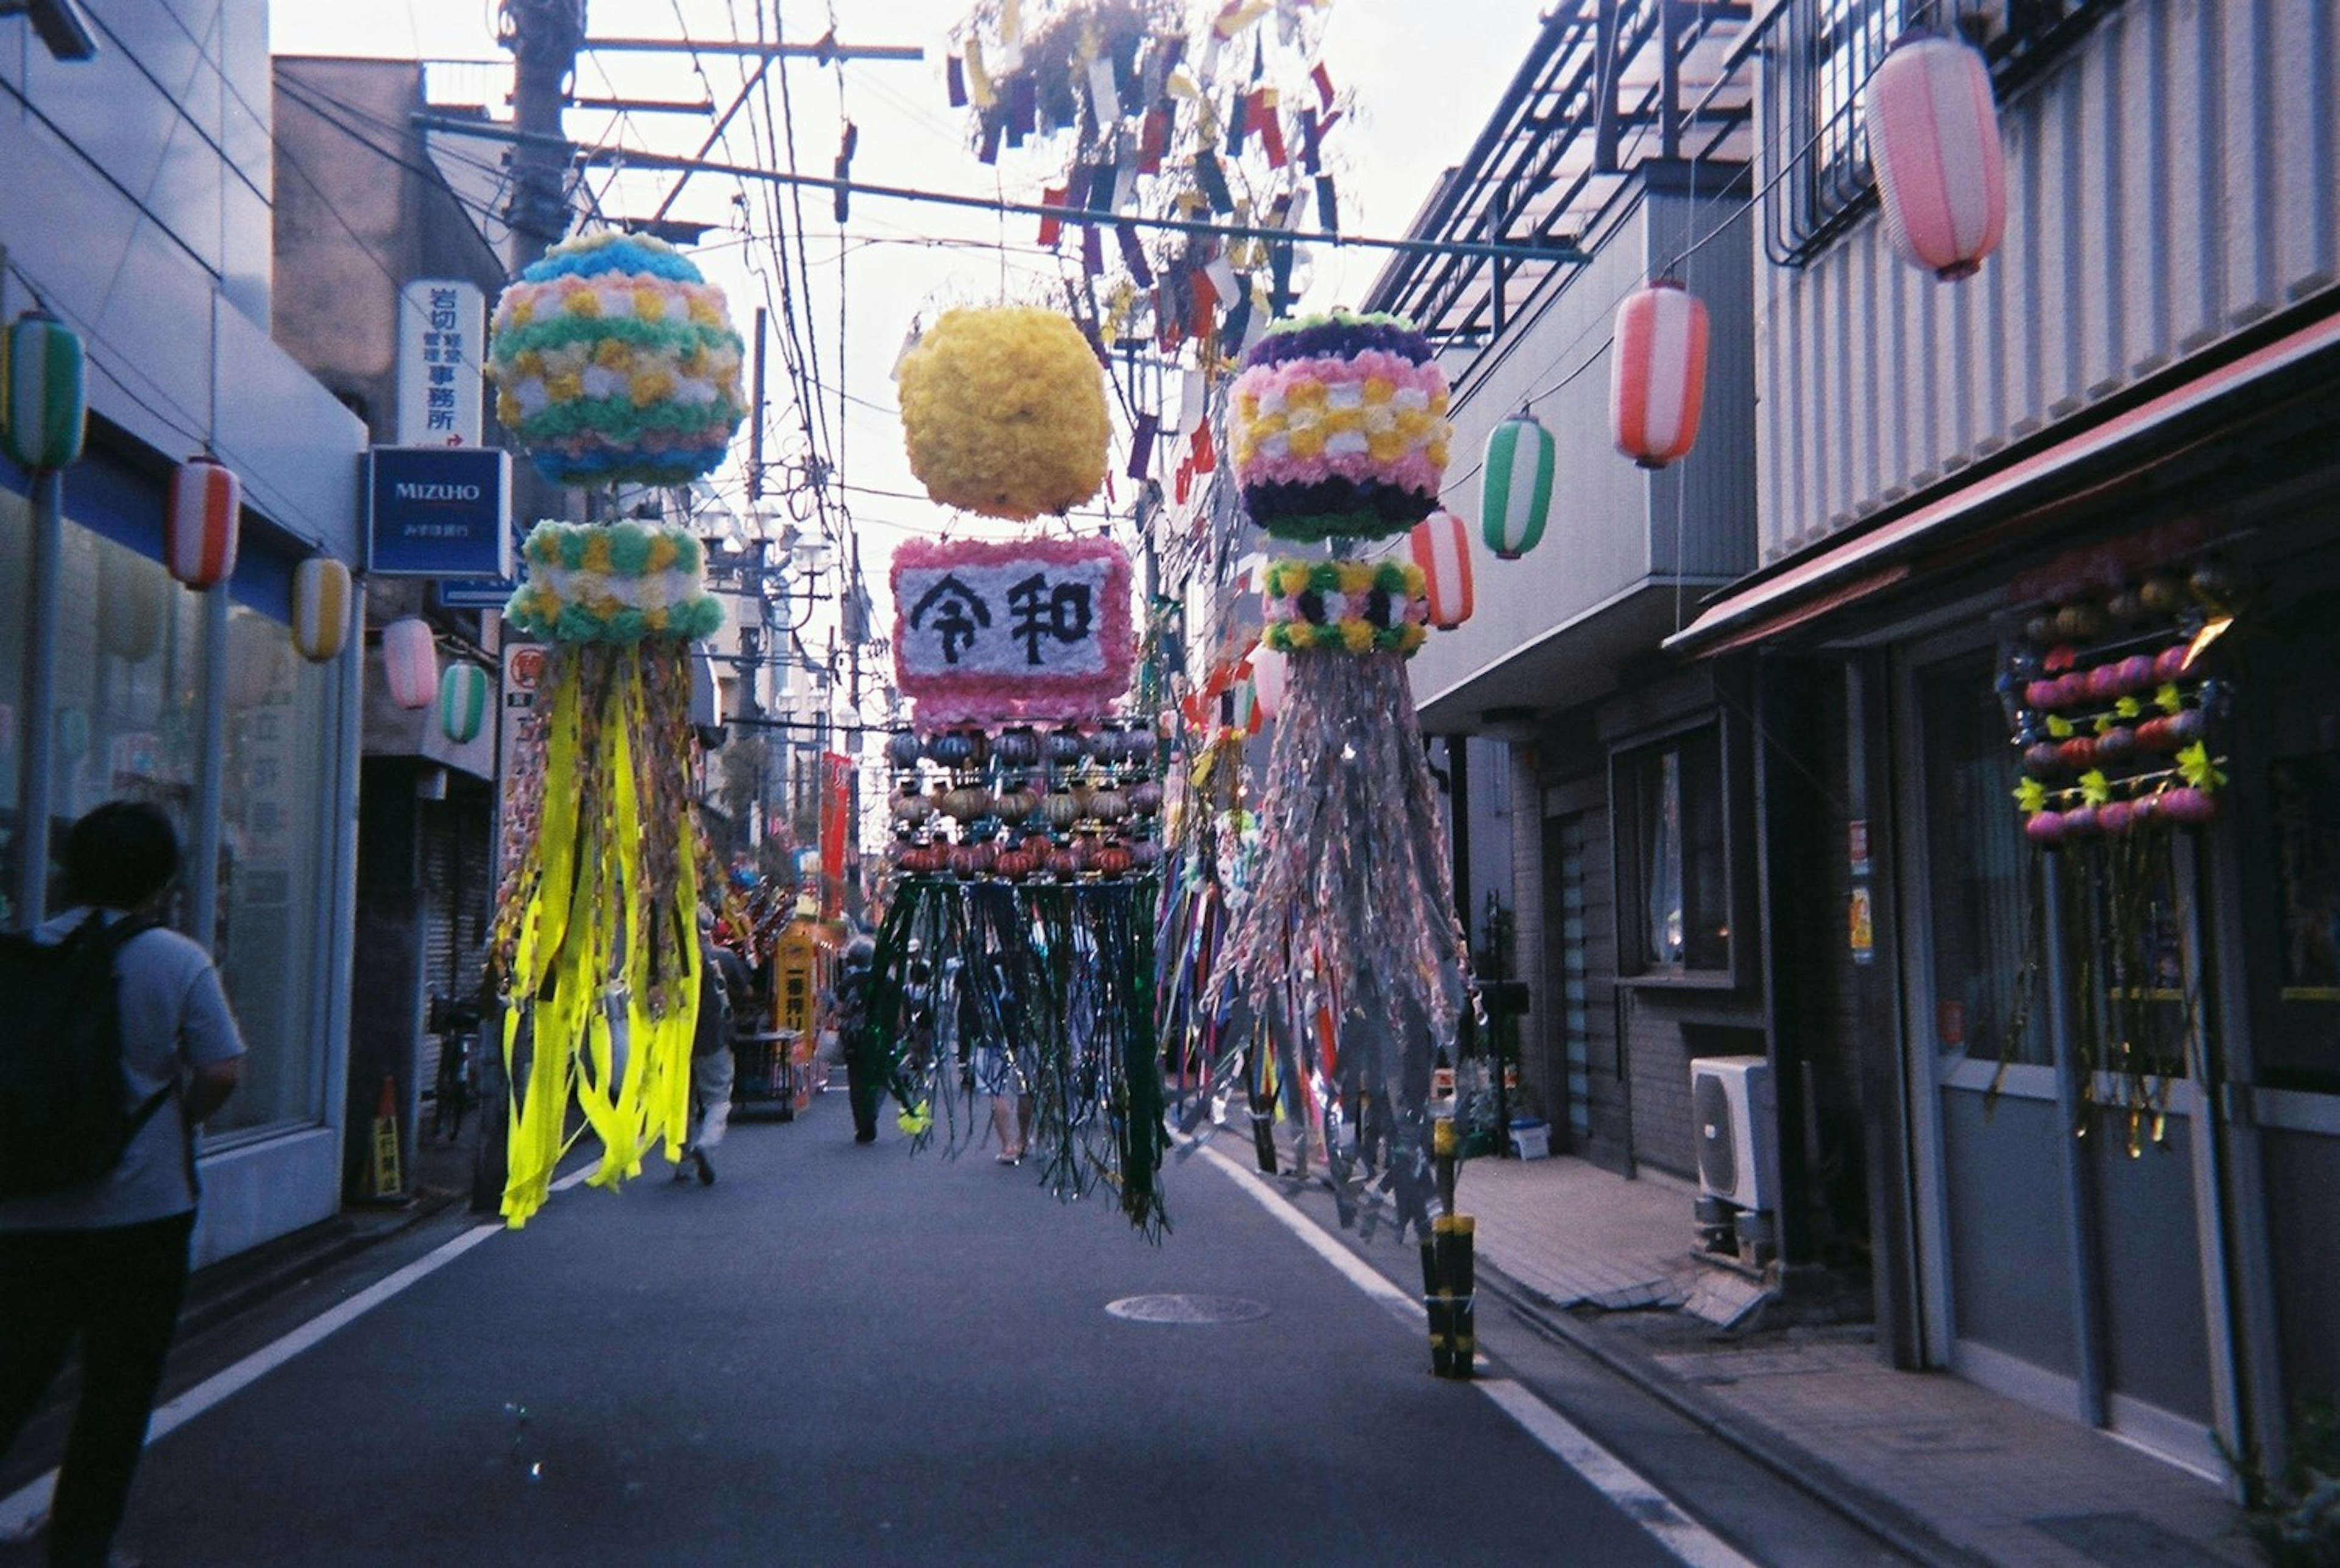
544, 36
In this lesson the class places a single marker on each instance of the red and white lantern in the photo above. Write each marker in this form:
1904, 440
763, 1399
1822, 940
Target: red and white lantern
321, 609
201, 527
1933, 141
1442, 548
409, 658
1657, 374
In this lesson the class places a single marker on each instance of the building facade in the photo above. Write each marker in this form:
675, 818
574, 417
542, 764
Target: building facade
2064, 1097
138, 214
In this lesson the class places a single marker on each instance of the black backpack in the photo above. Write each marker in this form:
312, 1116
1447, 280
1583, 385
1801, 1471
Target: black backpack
64, 1115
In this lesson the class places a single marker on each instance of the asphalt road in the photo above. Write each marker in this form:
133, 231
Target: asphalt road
843, 1355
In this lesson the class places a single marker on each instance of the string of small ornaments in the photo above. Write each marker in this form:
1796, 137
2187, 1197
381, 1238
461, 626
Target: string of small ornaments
2111, 701
1076, 803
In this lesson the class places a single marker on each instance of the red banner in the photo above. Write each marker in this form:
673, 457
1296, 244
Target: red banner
836, 830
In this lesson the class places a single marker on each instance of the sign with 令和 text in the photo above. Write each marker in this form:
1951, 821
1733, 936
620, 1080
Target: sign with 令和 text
1019, 629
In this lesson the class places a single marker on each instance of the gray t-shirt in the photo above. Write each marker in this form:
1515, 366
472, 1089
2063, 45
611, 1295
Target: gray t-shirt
174, 1018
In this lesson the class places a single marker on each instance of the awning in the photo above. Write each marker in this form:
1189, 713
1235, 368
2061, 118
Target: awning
1875, 554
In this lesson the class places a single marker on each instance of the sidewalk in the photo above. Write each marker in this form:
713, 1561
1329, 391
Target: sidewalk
1950, 1472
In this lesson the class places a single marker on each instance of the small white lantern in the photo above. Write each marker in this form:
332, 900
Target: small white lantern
409, 659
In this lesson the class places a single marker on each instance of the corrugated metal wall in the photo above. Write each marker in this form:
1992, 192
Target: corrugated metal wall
2171, 181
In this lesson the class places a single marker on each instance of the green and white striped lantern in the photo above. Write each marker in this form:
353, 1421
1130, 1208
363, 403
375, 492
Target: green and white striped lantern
463, 702
41, 407
1516, 500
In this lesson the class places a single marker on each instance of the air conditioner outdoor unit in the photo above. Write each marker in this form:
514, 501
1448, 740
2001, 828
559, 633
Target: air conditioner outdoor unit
1734, 1113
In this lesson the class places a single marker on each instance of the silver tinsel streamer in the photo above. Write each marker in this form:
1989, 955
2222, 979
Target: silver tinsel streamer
1353, 913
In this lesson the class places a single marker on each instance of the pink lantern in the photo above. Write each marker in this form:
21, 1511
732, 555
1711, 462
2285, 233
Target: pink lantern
1442, 548
200, 526
1269, 669
1933, 140
1657, 374
410, 660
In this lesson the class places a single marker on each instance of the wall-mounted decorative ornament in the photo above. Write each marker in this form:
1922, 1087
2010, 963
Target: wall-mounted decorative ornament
1657, 374
1014, 631
1515, 486
409, 660
1004, 412
322, 602
462, 701
1933, 141
43, 410
202, 521
615, 362
1441, 547
1339, 426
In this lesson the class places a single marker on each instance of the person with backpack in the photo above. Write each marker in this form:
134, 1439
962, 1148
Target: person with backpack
724, 985
116, 1043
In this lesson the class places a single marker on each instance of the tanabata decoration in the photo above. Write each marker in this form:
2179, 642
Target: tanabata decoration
2116, 703
1345, 969
1003, 413
1022, 630
614, 362
1019, 938
1339, 428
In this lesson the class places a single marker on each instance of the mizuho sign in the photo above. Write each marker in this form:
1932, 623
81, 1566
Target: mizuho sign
438, 511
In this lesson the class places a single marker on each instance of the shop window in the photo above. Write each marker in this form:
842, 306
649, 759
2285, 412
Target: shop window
2292, 864
1977, 882
129, 696
1673, 857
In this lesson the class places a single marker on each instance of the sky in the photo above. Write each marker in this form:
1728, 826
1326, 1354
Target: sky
1423, 75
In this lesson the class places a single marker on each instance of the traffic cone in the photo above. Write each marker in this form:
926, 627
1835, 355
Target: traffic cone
387, 1183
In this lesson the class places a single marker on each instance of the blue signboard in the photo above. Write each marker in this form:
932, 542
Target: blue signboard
477, 593
438, 511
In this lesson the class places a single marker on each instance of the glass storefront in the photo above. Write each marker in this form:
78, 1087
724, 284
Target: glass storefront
129, 724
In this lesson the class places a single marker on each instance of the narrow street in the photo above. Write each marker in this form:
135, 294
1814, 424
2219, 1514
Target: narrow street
843, 1355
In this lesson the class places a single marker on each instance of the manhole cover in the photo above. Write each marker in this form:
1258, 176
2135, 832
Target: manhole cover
1186, 1309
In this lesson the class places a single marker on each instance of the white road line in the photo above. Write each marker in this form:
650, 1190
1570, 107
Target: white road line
1689, 1540
23, 1508
1642, 1503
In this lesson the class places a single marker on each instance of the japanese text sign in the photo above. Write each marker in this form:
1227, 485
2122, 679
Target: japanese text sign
442, 341
1015, 631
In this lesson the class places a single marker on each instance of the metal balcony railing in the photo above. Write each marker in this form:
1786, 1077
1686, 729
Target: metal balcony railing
1607, 85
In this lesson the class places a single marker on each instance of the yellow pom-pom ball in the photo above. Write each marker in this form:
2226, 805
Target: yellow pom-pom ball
1004, 412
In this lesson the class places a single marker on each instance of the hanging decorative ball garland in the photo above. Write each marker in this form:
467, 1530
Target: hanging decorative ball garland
1004, 412
614, 362
1346, 962
1020, 926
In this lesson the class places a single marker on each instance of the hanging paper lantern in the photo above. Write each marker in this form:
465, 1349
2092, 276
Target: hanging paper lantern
1657, 374
1933, 141
1441, 549
320, 608
462, 701
1268, 672
1004, 412
411, 658
42, 408
1515, 495
1339, 425
133, 602
615, 362
202, 523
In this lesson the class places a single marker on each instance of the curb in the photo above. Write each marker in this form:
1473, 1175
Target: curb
1892, 1522
224, 1290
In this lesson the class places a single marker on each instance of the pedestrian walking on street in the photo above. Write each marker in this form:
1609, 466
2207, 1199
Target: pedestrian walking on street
864, 1067
722, 976
105, 1259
